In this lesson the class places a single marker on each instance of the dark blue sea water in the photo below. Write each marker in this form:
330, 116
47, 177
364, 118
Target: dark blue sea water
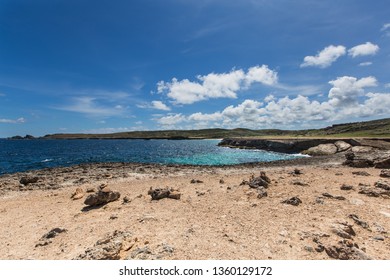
23, 155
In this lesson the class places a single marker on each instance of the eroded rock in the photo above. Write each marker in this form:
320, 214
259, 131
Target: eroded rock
25, 180
160, 193
293, 201
112, 247
322, 149
103, 196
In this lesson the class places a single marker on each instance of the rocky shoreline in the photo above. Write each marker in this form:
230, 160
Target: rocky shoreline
322, 207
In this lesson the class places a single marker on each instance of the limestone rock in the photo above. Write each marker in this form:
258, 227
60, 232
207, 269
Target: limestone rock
342, 146
383, 185
25, 180
385, 173
362, 149
53, 233
112, 247
322, 149
262, 181
77, 194
378, 159
293, 201
160, 193
103, 196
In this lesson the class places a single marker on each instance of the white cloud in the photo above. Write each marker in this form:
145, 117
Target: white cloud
19, 120
214, 85
325, 57
346, 90
90, 106
346, 99
368, 63
363, 49
386, 29
158, 105
387, 85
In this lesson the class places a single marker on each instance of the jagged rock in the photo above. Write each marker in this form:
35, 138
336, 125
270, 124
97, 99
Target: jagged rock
103, 196
53, 233
91, 190
361, 173
379, 191
358, 221
385, 173
293, 201
342, 146
261, 192
344, 252
112, 247
322, 149
383, 185
257, 182
160, 193
77, 194
25, 180
378, 159
343, 230
345, 187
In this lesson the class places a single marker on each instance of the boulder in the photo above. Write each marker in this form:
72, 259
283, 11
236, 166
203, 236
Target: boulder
103, 196
322, 149
25, 180
342, 146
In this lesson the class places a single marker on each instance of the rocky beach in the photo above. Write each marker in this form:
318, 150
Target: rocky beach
332, 206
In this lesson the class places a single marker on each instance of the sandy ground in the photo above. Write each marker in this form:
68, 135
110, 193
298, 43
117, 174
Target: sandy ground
214, 219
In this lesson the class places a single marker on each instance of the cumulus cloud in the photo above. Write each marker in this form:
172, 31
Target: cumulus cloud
346, 90
216, 85
347, 98
363, 49
325, 57
19, 120
158, 105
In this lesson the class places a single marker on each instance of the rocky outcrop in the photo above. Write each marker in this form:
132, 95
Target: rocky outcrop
378, 159
109, 248
309, 146
25, 180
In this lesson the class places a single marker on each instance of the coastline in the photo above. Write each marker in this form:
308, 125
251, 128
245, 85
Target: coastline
216, 217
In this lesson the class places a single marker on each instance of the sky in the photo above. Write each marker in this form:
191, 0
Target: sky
100, 66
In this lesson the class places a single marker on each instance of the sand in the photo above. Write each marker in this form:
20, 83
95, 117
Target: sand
217, 218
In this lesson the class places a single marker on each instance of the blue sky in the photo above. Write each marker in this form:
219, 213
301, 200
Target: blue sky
106, 66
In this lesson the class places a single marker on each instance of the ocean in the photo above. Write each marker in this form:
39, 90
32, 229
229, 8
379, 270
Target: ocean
24, 155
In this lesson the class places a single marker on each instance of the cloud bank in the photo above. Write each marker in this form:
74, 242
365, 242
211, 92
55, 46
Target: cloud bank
347, 98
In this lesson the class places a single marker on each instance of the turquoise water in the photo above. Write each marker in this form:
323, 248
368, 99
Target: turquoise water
24, 155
